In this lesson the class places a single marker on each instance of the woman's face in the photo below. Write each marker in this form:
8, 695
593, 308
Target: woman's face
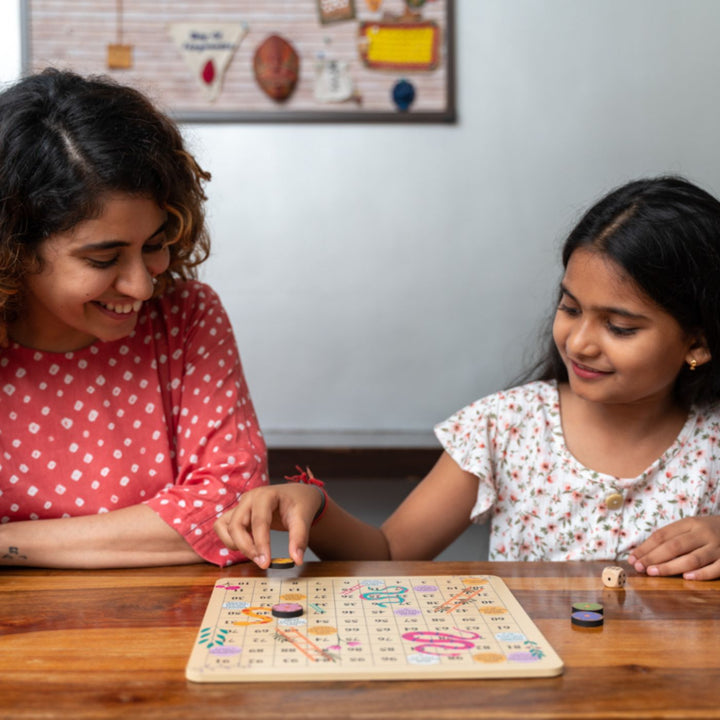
94, 277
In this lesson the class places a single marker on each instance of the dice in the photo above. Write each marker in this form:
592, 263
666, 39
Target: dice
613, 577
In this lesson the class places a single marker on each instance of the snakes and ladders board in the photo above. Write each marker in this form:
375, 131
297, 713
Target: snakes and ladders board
364, 628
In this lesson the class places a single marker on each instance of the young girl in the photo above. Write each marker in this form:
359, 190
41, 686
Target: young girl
126, 427
612, 454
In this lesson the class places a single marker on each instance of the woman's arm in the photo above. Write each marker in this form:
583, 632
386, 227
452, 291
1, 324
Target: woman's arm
218, 447
131, 537
428, 520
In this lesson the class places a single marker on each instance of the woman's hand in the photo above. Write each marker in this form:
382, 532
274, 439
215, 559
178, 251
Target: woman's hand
290, 507
689, 547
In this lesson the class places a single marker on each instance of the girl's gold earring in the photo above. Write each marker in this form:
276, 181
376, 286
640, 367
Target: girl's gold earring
692, 364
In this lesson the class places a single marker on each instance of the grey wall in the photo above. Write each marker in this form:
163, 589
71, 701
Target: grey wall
379, 277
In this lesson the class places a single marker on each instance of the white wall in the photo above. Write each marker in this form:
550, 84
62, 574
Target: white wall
381, 276
9, 40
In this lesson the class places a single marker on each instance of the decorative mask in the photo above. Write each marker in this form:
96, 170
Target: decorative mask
277, 67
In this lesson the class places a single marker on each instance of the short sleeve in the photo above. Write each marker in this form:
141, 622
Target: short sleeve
469, 437
219, 450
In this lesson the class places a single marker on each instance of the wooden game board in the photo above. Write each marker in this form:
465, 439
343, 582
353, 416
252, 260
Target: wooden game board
364, 628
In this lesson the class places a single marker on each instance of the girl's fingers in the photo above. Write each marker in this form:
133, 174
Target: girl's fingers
235, 528
687, 556
221, 530
231, 528
665, 545
676, 566
709, 572
284, 507
298, 532
260, 522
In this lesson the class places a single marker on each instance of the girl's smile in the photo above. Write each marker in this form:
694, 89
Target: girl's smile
587, 373
94, 277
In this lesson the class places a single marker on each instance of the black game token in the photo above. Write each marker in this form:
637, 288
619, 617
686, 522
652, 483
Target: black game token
586, 619
587, 607
287, 610
282, 563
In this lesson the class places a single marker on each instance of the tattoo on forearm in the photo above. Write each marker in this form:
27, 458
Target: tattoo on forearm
13, 553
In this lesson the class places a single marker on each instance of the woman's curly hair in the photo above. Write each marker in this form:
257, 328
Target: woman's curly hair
66, 141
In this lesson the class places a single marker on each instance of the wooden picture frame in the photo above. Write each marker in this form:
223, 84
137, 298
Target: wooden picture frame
353, 60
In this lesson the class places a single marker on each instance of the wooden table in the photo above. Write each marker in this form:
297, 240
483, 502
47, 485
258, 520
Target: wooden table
73, 644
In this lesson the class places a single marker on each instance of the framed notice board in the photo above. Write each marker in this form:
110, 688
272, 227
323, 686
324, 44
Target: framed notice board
259, 60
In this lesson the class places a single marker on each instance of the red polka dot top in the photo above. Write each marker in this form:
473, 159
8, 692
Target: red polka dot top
161, 417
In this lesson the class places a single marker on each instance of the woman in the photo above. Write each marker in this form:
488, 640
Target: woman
126, 427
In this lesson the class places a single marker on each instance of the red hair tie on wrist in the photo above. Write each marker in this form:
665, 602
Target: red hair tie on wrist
307, 478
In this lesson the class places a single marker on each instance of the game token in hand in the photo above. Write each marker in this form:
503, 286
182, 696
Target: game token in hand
282, 563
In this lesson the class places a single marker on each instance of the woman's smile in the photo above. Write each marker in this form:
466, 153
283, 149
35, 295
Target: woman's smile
120, 308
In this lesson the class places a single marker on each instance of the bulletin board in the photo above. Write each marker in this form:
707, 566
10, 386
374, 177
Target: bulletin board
259, 60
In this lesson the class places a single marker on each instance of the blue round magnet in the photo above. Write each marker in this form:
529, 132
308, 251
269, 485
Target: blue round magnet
403, 94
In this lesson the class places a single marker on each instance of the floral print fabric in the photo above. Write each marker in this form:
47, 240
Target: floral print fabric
162, 417
544, 505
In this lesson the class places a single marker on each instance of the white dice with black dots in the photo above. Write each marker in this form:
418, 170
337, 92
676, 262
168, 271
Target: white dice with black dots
614, 577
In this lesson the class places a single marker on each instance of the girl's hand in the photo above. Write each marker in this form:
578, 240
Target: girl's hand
689, 547
247, 526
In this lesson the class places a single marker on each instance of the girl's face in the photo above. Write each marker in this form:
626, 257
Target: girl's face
619, 347
94, 277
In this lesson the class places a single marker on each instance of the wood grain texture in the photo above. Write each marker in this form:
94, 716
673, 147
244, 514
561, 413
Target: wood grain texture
108, 644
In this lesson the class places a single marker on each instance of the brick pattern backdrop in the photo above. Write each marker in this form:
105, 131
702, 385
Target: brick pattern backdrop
76, 34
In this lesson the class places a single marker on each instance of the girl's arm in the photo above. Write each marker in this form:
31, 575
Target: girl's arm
131, 537
427, 521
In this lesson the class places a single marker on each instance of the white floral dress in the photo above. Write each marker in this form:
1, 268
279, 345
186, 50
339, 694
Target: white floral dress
545, 505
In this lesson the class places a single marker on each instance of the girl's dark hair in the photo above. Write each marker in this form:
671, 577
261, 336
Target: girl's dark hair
65, 142
665, 234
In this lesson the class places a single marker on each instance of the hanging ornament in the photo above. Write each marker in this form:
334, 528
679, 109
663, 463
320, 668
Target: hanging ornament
404, 43
119, 56
277, 67
207, 49
332, 11
403, 95
333, 83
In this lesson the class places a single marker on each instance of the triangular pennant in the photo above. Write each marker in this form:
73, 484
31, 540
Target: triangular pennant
207, 49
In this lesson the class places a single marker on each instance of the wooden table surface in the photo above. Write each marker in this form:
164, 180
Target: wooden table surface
73, 644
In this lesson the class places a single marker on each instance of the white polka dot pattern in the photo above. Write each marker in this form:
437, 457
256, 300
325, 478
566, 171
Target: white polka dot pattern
162, 417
